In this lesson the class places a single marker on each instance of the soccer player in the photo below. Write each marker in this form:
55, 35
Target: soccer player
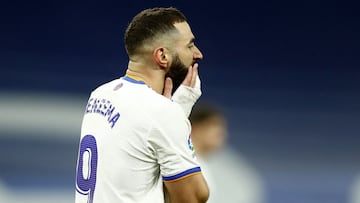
135, 141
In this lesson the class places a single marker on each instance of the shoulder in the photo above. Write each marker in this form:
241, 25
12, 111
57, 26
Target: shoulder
110, 85
142, 100
170, 122
167, 117
165, 108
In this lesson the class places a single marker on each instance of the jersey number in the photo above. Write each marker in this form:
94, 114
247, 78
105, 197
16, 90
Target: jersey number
86, 168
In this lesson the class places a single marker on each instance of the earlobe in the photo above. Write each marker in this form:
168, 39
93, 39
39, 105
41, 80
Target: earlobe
161, 57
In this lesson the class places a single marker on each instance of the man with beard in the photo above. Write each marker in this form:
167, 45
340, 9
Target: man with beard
135, 141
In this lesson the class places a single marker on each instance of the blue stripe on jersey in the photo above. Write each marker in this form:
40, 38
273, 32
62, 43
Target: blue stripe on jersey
182, 174
129, 79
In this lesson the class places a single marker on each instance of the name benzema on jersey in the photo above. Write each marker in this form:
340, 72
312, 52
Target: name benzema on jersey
104, 108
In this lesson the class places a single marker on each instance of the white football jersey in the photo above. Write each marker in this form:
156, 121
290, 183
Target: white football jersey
132, 139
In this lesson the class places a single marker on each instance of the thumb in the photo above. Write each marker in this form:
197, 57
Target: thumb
168, 86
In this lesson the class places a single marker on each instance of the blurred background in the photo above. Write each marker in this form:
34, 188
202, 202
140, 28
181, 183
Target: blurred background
285, 73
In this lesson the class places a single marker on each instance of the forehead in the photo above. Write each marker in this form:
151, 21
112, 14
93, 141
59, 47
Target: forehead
185, 31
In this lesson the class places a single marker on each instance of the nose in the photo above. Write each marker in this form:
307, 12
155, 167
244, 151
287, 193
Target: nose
197, 54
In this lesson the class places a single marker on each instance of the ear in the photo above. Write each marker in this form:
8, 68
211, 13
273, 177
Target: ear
162, 57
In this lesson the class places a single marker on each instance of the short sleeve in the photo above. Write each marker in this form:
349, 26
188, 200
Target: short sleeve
171, 142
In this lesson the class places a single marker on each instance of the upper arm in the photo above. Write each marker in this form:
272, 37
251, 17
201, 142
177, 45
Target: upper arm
171, 143
192, 189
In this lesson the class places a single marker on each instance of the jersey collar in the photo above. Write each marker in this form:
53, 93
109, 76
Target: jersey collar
133, 79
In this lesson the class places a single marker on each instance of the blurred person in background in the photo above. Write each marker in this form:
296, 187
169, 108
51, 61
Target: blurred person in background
354, 196
230, 177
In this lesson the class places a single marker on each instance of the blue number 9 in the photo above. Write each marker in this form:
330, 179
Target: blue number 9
86, 168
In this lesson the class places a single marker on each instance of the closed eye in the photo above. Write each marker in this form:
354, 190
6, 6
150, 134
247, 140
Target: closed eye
191, 43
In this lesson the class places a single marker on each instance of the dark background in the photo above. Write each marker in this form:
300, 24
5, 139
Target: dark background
285, 73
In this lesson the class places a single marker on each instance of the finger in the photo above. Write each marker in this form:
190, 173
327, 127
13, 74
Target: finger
194, 74
168, 85
188, 78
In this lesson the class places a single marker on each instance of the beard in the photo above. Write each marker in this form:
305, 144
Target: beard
177, 72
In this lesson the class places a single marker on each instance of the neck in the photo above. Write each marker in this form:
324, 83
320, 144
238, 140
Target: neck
151, 74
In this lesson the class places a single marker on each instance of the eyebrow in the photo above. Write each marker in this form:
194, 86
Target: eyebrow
192, 40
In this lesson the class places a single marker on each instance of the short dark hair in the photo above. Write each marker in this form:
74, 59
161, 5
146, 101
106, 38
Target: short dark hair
203, 111
149, 23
